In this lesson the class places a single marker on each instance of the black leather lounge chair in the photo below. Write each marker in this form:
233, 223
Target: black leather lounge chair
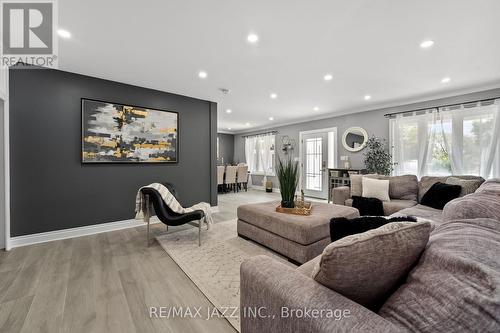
166, 215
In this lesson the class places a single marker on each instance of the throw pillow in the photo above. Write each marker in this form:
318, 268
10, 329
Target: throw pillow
368, 267
356, 184
376, 188
368, 206
341, 227
468, 185
440, 194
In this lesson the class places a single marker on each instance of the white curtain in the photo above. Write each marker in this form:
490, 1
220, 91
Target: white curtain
411, 138
492, 158
250, 155
266, 144
462, 139
259, 153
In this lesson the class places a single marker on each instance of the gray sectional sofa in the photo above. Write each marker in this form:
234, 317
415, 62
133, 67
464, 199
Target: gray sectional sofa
454, 286
405, 192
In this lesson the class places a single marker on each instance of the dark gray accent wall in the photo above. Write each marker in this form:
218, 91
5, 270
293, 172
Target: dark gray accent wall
52, 190
373, 122
226, 149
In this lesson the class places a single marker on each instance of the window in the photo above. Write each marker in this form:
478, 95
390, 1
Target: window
259, 153
462, 139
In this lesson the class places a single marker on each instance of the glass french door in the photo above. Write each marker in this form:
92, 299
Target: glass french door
314, 165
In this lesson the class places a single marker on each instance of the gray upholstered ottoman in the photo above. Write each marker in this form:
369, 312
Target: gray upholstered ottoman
299, 238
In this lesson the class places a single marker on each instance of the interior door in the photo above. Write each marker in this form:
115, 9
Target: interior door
314, 164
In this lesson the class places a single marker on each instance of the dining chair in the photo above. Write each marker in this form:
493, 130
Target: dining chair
220, 178
242, 177
231, 177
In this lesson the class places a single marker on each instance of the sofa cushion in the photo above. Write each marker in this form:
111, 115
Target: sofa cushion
421, 211
468, 185
476, 205
367, 267
376, 188
426, 183
391, 207
455, 287
403, 187
491, 186
440, 194
394, 206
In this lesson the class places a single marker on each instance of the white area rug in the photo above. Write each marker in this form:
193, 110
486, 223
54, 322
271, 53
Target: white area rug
215, 265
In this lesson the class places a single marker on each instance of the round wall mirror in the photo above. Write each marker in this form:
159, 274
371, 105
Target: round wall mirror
354, 139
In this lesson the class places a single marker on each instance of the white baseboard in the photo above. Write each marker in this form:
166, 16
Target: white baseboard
76, 232
81, 231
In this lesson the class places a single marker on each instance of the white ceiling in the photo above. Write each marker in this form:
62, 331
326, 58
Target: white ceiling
370, 47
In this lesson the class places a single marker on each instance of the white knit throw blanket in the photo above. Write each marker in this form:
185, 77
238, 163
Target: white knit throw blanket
170, 201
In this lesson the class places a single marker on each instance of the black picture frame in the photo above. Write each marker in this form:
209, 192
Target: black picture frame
84, 161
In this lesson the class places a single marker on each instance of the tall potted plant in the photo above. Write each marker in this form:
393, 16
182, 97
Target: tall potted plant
288, 176
377, 158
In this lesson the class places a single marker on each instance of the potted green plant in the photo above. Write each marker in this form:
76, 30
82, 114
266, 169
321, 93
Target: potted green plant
377, 157
288, 176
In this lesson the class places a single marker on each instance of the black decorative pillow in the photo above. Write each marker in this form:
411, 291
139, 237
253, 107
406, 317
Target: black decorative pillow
342, 227
440, 194
368, 206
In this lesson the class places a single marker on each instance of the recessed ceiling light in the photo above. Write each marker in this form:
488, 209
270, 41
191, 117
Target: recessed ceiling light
316, 108
271, 118
64, 33
273, 96
202, 75
229, 111
367, 97
247, 124
229, 128
445, 80
252, 38
328, 77
426, 44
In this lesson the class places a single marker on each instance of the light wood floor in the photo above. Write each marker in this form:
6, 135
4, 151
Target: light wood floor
104, 282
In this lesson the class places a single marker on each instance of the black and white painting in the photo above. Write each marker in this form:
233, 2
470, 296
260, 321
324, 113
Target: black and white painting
114, 133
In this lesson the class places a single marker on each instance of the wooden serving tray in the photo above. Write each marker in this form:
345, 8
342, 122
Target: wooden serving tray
300, 209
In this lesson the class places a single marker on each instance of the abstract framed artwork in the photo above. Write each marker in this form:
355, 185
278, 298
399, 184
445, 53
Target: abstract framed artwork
117, 133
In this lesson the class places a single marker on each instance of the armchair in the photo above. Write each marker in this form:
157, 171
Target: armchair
165, 214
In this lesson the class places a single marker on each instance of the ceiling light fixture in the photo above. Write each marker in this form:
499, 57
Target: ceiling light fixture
328, 77
316, 108
426, 44
252, 38
64, 33
229, 111
445, 80
247, 124
202, 75
229, 128
367, 97
273, 95
271, 118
